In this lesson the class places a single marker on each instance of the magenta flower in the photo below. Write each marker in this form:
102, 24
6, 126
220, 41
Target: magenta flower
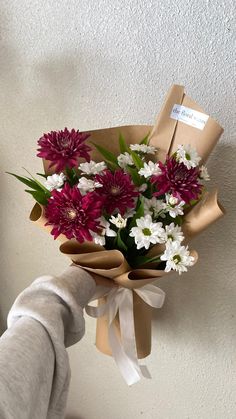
177, 179
118, 191
63, 148
72, 214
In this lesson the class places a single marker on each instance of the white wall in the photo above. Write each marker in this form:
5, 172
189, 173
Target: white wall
96, 63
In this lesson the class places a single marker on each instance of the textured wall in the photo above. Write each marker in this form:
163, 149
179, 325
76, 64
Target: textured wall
97, 63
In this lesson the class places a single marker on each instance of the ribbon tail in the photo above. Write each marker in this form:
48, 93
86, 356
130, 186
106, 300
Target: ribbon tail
124, 363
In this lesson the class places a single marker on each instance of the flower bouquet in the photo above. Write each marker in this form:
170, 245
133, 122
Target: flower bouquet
125, 202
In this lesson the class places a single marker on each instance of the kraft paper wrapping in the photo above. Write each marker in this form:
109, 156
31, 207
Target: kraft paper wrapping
165, 135
111, 264
168, 133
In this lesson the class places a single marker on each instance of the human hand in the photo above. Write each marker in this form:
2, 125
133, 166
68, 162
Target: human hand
101, 280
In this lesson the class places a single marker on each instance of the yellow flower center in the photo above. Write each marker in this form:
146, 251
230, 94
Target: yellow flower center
115, 190
147, 232
177, 259
71, 214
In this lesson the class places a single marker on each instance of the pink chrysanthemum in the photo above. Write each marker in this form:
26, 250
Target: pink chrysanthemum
177, 179
118, 191
63, 148
72, 214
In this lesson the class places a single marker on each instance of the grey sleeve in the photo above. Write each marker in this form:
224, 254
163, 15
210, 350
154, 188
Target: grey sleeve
34, 368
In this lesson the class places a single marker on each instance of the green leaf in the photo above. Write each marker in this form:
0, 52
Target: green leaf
42, 187
42, 175
145, 139
142, 260
123, 146
135, 176
40, 197
27, 181
107, 154
71, 176
120, 242
110, 165
139, 212
137, 160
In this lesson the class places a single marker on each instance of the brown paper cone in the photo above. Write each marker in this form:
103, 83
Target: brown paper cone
38, 217
168, 133
205, 212
142, 323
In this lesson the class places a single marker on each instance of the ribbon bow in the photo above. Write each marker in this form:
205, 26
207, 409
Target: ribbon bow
124, 351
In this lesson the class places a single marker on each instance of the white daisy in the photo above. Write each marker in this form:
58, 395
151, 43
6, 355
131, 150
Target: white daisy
55, 181
87, 185
92, 168
124, 160
177, 257
173, 233
173, 206
118, 221
147, 232
188, 156
153, 206
204, 175
143, 148
150, 169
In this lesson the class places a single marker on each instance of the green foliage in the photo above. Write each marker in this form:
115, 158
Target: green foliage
120, 243
145, 139
42, 175
136, 159
72, 176
136, 178
39, 192
142, 260
123, 146
139, 212
40, 197
110, 157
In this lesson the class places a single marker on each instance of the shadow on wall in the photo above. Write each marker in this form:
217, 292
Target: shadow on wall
194, 300
73, 417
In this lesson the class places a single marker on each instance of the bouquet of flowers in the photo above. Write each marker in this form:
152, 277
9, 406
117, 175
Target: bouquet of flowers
125, 206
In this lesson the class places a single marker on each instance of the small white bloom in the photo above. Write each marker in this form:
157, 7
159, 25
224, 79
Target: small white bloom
55, 181
124, 160
153, 206
150, 169
87, 185
173, 206
177, 257
105, 231
204, 175
173, 233
147, 232
118, 221
92, 168
143, 187
188, 156
143, 148
98, 239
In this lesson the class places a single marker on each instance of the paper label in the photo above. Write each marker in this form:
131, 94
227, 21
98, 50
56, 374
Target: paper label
189, 116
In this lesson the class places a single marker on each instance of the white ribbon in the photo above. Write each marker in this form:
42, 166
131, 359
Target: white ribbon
120, 300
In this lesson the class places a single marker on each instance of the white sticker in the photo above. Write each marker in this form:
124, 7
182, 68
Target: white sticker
189, 116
